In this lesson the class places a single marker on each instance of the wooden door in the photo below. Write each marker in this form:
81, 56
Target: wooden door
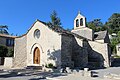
36, 58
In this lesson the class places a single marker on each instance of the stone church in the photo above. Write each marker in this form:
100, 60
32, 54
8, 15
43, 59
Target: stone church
82, 47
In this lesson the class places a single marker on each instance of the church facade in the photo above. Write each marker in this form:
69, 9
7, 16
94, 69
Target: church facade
81, 47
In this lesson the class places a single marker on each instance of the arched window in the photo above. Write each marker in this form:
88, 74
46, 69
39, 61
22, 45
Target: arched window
77, 23
37, 33
81, 22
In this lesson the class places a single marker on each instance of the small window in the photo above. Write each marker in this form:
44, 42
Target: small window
81, 22
77, 23
37, 33
9, 42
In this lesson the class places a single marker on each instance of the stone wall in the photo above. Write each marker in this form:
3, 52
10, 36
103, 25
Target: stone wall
20, 52
1, 60
107, 40
49, 44
3, 41
66, 50
73, 52
99, 52
79, 53
8, 61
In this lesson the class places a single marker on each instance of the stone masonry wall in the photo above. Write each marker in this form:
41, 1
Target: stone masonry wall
101, 49
79, 53
49, 44
3, 41
66, 50
20, 53
73, 52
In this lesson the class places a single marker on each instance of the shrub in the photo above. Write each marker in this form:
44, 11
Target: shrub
50, 65
6, 52
3, 51
10, 52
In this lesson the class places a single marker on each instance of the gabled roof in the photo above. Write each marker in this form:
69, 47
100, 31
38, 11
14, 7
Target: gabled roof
100, 35
60, 30
34, 24
80, 15
7, 36
31, 27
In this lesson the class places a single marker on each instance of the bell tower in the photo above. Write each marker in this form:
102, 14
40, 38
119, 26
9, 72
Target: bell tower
80, 21
81, 29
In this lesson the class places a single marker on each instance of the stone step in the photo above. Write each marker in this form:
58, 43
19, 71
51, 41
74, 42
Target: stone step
34, 67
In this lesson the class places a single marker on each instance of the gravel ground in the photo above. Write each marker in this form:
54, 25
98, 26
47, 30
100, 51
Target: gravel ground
23, 75
111, 70
77, 77
38, 75
101, 73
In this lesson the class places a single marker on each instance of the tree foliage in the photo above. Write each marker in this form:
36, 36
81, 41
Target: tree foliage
6, 52
112, 26
10, 52
55, 22
4, 29
97, 22
3, 51
96, 25
115, 41
114, 22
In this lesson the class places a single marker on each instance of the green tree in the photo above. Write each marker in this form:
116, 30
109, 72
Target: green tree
112, 25
55, 22
91, 26
114, 22
96, 25
97, 22
114, 42
3, 29
10, 52
3, 51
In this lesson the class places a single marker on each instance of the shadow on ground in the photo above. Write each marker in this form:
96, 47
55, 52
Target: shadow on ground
37, 75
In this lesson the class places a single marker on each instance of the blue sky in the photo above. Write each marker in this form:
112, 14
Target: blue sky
19, 15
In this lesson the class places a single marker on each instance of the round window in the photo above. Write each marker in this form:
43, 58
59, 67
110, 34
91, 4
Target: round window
37, 33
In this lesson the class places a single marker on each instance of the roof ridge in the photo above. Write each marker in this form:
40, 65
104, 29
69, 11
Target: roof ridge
7, 35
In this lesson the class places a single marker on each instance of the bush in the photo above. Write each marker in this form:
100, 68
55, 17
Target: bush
3, 51
10, 52
6, 52
50, 65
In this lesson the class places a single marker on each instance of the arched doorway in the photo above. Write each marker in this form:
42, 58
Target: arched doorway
36, 56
